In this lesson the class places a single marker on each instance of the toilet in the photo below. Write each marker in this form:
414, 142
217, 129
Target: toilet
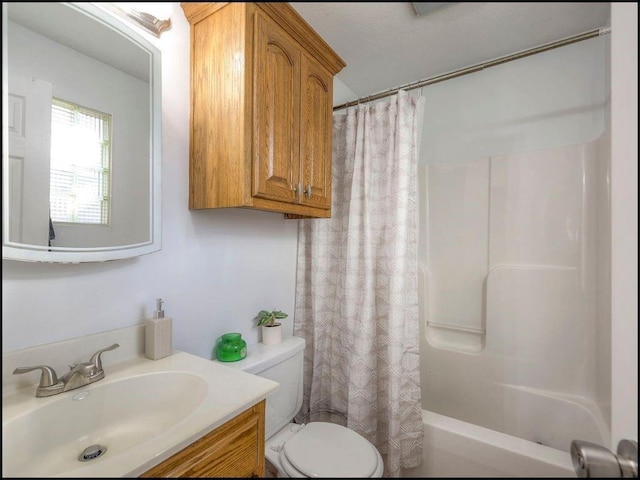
315, 449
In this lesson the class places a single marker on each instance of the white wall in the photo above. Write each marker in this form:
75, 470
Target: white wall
342, 93
215, 271
624, 224
512, 108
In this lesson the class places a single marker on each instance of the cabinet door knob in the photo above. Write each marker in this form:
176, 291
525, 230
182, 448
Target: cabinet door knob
307, 191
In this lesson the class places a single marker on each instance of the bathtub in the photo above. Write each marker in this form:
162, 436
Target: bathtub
453, 448
521, 432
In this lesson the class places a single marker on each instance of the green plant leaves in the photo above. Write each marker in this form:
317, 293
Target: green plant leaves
268, 318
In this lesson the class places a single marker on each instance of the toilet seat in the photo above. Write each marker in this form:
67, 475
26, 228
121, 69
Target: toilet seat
323, 449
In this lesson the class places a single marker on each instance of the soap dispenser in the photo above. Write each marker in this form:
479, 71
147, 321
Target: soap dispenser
158, 334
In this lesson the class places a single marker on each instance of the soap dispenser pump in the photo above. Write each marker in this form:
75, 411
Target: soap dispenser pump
158, 334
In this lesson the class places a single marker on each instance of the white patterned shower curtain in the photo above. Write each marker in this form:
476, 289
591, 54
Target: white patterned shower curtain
356, 295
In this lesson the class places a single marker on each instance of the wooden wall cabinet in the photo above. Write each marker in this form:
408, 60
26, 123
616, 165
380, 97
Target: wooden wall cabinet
261, 109
235, 449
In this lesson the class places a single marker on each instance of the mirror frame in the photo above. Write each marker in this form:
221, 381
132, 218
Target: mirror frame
37, 253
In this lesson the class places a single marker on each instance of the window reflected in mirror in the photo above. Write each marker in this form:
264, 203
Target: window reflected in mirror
80, 164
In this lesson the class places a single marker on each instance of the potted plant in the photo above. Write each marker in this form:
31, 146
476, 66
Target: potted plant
271, 327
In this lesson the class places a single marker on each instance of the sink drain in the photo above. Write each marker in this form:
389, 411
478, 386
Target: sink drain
92, 452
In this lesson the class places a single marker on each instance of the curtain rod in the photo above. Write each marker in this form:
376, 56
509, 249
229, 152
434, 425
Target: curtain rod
480, 66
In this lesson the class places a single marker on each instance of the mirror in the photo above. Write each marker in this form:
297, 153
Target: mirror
81, 133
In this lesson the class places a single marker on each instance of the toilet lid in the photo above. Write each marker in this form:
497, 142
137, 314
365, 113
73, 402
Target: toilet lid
323, 449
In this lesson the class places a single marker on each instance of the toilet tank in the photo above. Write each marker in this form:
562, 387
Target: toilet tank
281, 363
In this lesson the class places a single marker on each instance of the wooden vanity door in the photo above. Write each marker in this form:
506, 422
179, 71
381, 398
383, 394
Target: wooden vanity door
276, 112
316, 121
235, 449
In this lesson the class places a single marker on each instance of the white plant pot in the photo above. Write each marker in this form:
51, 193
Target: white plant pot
272, 335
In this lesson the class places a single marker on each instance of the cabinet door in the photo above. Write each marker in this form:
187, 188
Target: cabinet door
276, 112
316, 118
235, 449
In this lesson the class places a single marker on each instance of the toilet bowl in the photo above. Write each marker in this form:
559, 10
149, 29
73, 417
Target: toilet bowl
315, 449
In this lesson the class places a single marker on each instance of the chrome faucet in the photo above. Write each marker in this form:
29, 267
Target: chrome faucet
77, 376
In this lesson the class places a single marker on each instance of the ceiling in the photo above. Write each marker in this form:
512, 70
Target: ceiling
385, 45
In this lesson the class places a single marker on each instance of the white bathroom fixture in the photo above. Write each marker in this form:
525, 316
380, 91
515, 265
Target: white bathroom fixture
138, 416
317, 449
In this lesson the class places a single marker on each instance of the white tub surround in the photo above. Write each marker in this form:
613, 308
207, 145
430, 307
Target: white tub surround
215, 393
515, 247
530, 286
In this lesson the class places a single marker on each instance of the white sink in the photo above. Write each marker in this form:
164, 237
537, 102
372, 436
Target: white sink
117, 415
142, 412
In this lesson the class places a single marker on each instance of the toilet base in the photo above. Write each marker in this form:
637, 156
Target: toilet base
274, 444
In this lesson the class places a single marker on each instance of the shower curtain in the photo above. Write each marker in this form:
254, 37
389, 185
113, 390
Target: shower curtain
356, 294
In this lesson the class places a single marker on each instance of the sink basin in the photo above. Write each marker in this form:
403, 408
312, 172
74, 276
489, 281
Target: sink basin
119, 415
143, 411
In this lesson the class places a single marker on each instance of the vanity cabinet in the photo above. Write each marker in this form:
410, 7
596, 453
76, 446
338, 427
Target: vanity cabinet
261, 109
235, 449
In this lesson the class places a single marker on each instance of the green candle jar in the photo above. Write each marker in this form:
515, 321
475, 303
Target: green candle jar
230, 347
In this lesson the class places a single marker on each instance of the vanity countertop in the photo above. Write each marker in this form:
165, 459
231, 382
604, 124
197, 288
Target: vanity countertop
217, 395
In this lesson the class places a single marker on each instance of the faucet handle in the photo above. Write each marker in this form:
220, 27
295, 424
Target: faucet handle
48, 376
95, 358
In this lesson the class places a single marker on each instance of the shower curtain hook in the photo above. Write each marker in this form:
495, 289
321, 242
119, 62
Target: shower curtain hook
416, 85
